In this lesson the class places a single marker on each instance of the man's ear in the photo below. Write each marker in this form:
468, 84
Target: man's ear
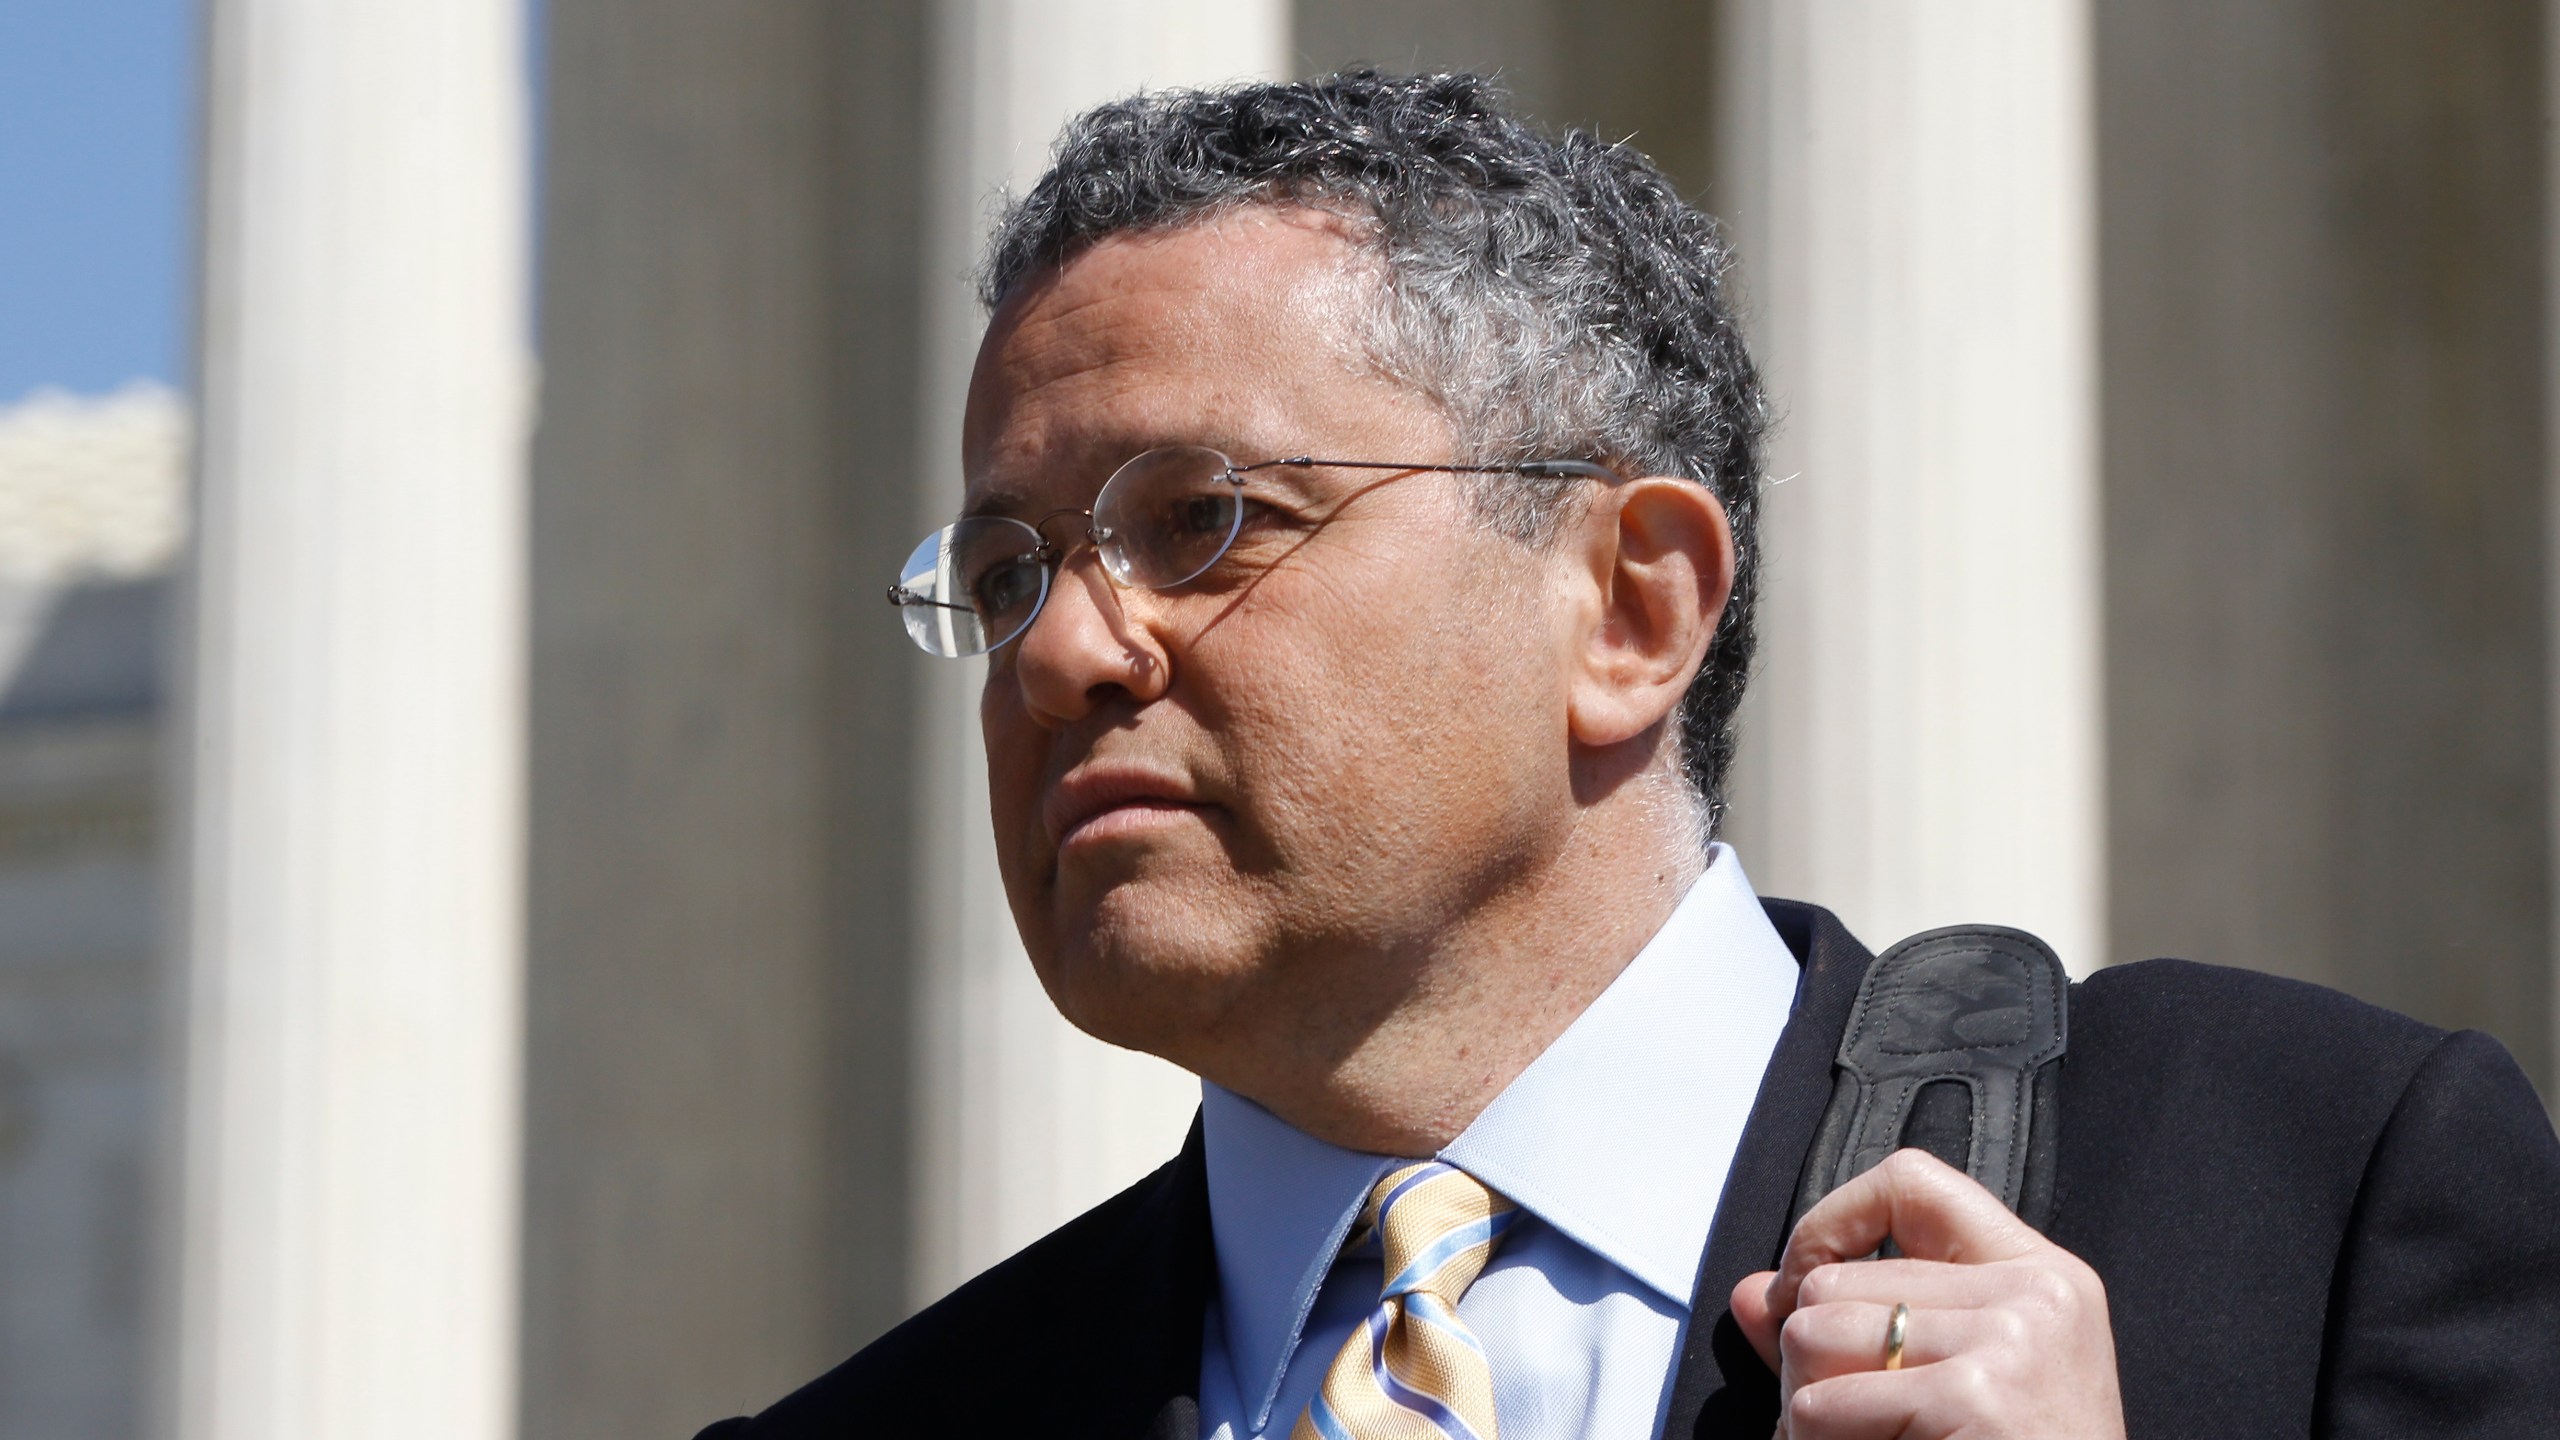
1658, 556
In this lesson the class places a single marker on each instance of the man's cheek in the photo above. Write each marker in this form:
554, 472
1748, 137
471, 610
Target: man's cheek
1013, 805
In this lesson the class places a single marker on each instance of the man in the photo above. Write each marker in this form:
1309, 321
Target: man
1359, 522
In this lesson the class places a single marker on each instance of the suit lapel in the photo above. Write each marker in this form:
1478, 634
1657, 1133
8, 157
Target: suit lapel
1721, 1388
1140, 1348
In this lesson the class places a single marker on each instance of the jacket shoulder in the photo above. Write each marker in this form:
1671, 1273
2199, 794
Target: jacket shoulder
2180, 1014
2255, 1078
1074, 1325
2222, 1131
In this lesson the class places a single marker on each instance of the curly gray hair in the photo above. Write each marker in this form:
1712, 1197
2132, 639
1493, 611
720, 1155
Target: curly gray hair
1553, 295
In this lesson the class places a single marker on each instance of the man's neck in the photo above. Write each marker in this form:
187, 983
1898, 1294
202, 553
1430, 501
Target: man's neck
1489, 996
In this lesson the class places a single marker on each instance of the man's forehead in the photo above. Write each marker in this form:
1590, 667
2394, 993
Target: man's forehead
1163, 328
1235, 256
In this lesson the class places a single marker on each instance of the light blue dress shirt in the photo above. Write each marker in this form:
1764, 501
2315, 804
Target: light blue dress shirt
1615, 1141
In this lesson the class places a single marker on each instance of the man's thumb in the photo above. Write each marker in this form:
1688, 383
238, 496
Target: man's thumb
1751, 1312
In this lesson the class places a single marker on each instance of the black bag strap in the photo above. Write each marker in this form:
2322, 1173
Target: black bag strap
1954, 1046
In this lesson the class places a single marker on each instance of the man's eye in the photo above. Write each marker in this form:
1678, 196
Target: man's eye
1209, 514
1257, 513
1006, 587
1271, 522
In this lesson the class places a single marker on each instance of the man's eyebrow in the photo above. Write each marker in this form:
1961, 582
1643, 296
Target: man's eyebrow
1120, 449
995, 502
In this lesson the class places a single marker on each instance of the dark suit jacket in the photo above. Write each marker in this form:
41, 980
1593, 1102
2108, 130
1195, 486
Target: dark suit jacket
2313, 1217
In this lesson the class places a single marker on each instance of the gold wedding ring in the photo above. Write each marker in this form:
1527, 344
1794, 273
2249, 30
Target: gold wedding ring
1896, 1330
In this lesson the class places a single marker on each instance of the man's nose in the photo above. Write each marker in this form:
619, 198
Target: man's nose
1085, 644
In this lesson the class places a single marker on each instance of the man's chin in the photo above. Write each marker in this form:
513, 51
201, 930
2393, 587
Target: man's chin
1161, 907
1143, 975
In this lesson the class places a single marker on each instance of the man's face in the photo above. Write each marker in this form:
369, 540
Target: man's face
1258, 800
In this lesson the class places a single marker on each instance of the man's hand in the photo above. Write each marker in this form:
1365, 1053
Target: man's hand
2007, 1337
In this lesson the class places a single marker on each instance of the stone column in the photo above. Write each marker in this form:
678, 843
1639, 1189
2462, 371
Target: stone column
1638, 70
1022, 1120
2550, 228
718, 908
347, 766
2328, 648
1911, 189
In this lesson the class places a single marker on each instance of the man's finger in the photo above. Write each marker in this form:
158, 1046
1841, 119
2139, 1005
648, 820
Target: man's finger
1920, 1284
1868, 1405
1929, 1208
1915, 1283
1821, 1341
1751, 1313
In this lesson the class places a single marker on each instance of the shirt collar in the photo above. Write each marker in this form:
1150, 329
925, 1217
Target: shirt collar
1281, 1202
1618, 1135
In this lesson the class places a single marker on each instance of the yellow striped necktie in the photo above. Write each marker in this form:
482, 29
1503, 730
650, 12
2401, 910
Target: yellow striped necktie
1412, 1371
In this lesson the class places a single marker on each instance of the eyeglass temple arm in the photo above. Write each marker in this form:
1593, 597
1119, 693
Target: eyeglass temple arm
901, 595
1536, 469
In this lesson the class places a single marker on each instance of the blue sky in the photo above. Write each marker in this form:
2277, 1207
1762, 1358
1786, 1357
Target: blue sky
97, 192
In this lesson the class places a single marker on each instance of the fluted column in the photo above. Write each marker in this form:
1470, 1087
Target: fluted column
347, 766
2550, 458
2327, 486
1022, 1121
717, 912
1911, 187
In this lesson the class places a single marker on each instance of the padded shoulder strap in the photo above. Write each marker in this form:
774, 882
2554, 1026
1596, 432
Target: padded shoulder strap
1953, 1046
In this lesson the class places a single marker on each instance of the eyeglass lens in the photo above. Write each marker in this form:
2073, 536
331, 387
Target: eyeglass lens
1159, 521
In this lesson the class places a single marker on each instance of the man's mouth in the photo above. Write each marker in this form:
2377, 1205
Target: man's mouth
1097, 803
